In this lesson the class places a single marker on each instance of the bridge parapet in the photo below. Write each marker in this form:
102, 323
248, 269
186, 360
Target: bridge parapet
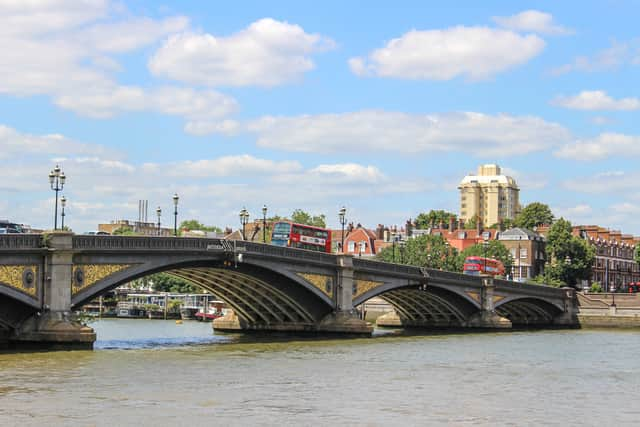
14, 242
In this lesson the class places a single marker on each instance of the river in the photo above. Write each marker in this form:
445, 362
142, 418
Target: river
154, 372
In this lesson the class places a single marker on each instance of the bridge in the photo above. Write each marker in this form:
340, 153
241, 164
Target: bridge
44, 278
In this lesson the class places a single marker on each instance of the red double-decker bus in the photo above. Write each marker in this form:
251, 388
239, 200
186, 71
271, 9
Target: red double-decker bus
480, 266
301, 236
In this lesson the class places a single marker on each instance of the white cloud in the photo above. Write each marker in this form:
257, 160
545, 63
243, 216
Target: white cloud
596, 100
68, 50
604, 183
232, 166
102, 186
266, 53
603, 146
613, 57
349, 172
379, 131
601, 120
472, 52
15, 144
532, 20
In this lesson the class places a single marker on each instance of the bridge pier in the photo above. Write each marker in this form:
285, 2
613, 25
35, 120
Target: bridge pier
487, 318
54, 327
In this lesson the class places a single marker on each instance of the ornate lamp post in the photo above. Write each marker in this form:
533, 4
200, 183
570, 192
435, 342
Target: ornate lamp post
175, 214
63, 203
56, 180
264, 224
343, 220
402, 244
159, 212
393, 246
244, 219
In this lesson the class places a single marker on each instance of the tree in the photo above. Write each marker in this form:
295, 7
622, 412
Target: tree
472, 223
124, 231
534, 214
163, 282
570, 257
424, 251
302, 217
495, 249
194, 224
434, 218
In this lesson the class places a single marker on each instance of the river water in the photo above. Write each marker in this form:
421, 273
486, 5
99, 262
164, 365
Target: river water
154, 372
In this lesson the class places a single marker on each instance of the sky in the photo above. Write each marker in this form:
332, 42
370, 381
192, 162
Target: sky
381, 107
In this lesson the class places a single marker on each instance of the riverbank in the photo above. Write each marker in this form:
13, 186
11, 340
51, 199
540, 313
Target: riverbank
608, 310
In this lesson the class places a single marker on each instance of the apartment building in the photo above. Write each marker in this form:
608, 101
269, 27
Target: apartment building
489, 196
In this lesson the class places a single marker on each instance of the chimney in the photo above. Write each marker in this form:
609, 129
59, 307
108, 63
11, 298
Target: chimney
380, 232
409, 227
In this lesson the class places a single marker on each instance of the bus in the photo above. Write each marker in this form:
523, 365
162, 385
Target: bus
301, 236
480, 266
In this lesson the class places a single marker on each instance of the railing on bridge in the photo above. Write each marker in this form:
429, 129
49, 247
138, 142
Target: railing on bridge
20, 241
146, 243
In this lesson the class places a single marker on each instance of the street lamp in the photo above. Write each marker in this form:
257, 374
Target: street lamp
393, 246
343, 220
175, 214
159, 212
244, 219
63, 203
264, 223
402, 244
56, 180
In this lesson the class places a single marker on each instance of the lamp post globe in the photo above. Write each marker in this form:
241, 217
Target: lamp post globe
175, 214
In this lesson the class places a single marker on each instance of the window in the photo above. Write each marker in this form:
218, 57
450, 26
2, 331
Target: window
351, 247
513, 253
523, 253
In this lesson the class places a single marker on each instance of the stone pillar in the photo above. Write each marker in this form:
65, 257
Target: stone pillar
344, 319
54, 326
570, 315
487, 316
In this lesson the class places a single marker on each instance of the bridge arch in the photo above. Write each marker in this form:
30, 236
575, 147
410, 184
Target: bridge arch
525, 311
257, 292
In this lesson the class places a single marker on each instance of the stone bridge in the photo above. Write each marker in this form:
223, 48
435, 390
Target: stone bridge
44, 278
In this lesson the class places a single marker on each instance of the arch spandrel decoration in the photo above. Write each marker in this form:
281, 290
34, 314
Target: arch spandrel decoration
324, 282
362, 286
474, 295
20, 277
88, 274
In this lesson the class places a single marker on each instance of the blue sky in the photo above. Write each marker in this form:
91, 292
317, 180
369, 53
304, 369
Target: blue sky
379, 106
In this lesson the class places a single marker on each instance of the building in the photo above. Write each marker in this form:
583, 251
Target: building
360, 242
489, 196
614, 266
138, 227
527, 249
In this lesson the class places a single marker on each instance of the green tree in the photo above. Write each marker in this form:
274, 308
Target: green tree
302, 217
424, 251
637, 254
472, 223
163, 282
494, 249
534, 214
434, 218
570, 257
124, 231
194, 224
